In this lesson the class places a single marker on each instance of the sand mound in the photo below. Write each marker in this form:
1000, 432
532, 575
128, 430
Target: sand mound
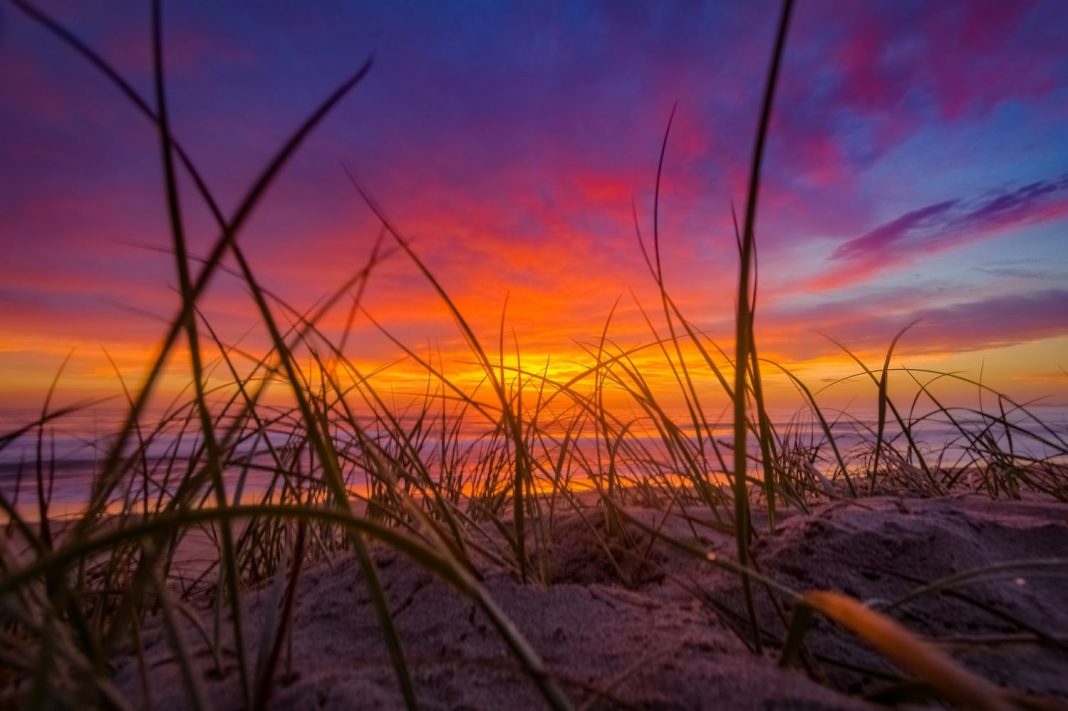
659, 636
881, 549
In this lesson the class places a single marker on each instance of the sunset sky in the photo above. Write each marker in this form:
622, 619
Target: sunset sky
917, 169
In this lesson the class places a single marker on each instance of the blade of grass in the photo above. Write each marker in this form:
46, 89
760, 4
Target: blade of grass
743, 321
953, 681
214, 461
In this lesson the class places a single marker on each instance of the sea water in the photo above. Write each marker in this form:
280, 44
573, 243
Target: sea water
65, 458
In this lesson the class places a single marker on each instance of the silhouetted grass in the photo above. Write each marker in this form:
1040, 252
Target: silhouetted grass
344, 466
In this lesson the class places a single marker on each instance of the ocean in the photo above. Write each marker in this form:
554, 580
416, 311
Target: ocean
69, 452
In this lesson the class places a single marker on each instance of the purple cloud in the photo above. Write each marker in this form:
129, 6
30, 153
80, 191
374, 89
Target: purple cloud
910, 227
941, 226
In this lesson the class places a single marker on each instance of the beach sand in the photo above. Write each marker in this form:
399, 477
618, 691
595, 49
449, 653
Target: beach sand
672, 637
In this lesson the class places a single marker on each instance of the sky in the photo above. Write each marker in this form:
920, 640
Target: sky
917, 169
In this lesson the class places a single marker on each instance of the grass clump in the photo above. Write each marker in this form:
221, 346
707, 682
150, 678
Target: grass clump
221, 491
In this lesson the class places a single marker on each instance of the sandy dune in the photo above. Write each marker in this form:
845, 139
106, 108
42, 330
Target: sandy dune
666, 640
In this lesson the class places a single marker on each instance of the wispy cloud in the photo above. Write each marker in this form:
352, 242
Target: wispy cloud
942, 226
911, 229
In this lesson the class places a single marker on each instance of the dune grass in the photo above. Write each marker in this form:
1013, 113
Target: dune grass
345, 465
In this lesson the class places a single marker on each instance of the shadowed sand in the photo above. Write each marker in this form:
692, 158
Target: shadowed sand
666, 639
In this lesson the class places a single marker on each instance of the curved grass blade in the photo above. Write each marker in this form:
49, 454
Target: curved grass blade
953, 681
436, 561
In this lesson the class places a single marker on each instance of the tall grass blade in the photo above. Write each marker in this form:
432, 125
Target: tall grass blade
743, 320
